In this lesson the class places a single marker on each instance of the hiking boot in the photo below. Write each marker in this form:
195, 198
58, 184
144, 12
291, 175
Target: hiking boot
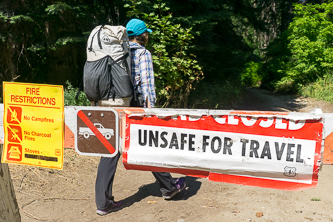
180, 185
114, 207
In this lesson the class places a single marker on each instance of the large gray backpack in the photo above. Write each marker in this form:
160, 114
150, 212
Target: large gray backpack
107, 72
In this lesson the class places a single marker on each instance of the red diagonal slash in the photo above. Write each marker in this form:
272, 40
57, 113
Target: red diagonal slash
98, 134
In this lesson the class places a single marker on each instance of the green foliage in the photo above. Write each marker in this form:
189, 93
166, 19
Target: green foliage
315, 199
276, 62
311, 37
59, 8
250, 76
69, 40
176, 70
222, 42
44, 42
321, 89
287, 85
37, 37
219, 27
303, 53
70, 93
20, 18
215, 95
3, 17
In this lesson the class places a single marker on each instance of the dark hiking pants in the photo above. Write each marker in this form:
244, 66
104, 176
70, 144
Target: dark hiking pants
105, 176
104, 181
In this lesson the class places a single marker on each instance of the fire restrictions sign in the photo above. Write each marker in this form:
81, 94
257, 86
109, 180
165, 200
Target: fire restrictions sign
274, 151
97, 131
33, 124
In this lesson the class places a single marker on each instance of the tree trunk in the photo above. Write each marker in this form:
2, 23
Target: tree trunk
9, 210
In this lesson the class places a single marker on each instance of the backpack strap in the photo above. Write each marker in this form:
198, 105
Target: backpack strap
90, 49
135, 89
124, 57
98, 38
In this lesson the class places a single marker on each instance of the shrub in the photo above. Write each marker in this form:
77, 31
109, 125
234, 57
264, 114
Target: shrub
321, 89
70, 93
176, 70
250, 76
311, 42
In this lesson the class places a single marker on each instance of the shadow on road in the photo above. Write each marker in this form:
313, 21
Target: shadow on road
152, 189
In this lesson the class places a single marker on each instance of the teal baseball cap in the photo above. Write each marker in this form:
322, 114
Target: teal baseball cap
136, 27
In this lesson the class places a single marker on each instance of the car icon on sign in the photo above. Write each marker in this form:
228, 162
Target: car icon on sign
106, 132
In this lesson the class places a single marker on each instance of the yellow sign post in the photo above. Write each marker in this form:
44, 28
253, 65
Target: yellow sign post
33, 124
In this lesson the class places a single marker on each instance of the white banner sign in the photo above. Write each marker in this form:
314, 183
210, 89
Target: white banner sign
274, 151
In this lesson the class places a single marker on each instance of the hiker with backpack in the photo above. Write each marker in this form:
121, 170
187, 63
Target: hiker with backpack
143, 76
124, 79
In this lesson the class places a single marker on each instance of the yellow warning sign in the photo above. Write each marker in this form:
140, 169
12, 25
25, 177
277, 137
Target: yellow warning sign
33, 124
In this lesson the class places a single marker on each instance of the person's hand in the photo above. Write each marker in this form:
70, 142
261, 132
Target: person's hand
148, 102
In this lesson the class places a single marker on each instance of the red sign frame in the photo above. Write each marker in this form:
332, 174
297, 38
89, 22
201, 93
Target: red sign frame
311, 130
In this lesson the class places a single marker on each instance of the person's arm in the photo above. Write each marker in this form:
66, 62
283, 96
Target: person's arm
147, 79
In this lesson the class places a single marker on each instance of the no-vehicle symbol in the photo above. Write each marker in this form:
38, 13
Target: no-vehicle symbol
97, 132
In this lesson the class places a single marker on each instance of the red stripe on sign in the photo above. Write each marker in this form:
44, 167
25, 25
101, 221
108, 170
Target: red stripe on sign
259, 182
98, 134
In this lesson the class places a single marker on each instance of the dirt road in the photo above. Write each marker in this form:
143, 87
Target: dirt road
68, 195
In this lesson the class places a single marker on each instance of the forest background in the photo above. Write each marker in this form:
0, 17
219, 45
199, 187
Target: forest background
204, 51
